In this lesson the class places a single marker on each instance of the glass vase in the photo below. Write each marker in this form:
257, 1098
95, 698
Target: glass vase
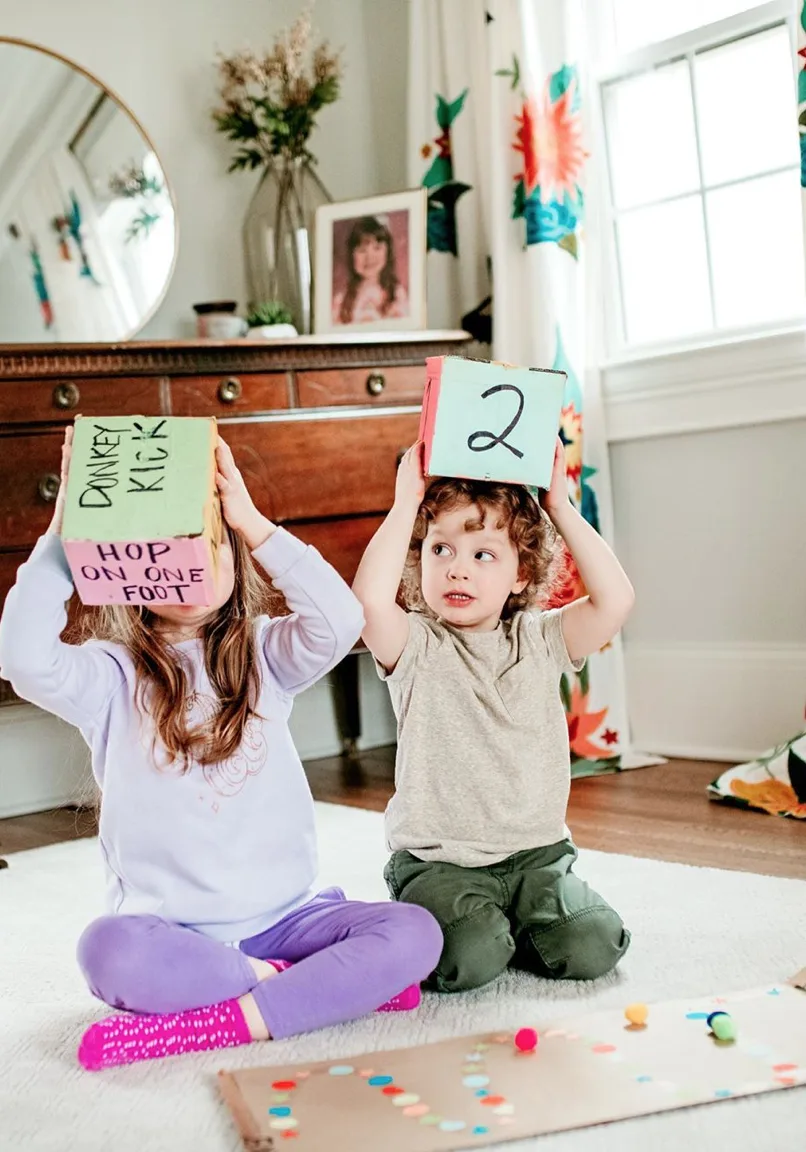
278, 237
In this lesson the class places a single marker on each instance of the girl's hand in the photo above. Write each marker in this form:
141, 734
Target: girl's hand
555, 498
236, 504
410, 484
58, 512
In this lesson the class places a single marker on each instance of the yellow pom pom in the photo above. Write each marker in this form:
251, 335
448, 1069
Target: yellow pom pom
636, 1013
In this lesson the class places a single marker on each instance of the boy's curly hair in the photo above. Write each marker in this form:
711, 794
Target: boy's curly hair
512, 507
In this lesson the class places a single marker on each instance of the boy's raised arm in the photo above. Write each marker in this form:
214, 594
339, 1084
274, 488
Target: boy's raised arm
377, 580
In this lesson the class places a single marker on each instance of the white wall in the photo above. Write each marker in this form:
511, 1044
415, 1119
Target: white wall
158, 56
710, 527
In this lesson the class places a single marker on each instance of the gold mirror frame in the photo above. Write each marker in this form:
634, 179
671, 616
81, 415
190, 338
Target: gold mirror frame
19, 42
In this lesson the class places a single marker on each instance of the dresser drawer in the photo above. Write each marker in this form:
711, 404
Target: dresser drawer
381, 386
29, 482
341, 542
32, 401
223, 395
300, 469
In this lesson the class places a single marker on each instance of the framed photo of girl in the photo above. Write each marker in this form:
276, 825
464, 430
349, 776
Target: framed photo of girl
370, 264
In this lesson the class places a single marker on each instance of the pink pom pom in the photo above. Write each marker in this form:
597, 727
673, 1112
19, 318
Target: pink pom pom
526, 1039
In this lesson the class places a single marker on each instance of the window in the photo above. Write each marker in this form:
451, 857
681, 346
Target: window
702, 153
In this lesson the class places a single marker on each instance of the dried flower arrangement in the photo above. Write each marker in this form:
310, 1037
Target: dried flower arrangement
269, 103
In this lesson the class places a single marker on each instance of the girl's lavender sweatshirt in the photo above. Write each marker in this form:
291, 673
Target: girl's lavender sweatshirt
229, 848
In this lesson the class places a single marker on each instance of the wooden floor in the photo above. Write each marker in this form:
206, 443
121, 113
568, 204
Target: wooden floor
660, 812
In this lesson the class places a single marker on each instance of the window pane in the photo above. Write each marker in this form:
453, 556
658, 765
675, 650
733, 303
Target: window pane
755, 231
745, 101
640, 22
664, 271
650, 136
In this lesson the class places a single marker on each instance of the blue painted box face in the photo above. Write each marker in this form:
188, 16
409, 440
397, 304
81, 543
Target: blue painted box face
488, 421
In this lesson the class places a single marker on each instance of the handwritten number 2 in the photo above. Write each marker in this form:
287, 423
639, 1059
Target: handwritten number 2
490, 437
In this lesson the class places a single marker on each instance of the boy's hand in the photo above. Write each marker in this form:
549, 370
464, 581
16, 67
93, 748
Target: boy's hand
58, 511
410, 483
555, 498
236, 504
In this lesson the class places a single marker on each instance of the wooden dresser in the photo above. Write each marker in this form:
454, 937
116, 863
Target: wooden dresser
316, 425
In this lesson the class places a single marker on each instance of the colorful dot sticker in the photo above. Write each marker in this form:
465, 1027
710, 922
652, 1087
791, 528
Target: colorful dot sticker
723, 1093
430, 1119
406, 1098
452, 1125
280, 1111
379, 1081
284, 1122
416, 1110
603, 1049
697, 1015
476, 1081
643, 1079
391, 1090
342, 1070
480, 1130
365, 1073
284, 1085
493, 1101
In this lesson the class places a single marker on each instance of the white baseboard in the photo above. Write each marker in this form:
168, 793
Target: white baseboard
714, 702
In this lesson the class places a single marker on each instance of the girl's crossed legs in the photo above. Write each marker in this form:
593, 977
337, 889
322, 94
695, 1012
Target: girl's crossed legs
348, 958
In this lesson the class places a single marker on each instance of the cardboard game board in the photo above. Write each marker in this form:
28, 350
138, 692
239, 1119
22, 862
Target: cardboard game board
480, 1090
142, 520
489, 421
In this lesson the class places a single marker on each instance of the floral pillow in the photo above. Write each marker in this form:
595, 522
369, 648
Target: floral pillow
775, 783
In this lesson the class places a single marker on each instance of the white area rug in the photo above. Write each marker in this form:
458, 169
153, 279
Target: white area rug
695, 931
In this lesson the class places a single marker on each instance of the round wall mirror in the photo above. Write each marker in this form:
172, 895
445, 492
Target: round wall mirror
87, 222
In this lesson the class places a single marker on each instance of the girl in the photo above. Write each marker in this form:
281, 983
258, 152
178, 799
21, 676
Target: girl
477, 823
373, 291
207, 822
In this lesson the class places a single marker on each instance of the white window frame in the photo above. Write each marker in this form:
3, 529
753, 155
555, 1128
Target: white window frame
722, 378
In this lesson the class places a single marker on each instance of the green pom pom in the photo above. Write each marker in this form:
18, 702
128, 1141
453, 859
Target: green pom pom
723, 1028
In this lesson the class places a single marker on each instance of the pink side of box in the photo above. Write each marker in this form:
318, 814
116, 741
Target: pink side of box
184, 553
428, 415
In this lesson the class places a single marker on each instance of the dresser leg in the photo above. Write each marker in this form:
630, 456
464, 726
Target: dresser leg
348, 708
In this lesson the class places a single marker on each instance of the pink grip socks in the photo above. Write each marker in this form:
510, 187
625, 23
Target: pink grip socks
128, 1037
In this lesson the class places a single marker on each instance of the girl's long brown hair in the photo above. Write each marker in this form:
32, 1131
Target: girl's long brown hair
228, 640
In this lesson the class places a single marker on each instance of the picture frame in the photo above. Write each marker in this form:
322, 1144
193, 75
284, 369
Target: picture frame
370, 264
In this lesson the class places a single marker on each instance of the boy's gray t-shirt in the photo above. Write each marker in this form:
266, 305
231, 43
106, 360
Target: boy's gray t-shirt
483, 765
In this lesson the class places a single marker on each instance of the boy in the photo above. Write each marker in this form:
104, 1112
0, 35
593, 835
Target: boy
477, 823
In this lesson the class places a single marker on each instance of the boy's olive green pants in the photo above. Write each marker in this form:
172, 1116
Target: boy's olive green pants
529, 911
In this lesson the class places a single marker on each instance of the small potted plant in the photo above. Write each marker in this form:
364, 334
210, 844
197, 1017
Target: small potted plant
270, 320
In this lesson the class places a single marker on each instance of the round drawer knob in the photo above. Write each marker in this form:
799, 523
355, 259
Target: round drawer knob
66, 396
230, 390
376, 383
48, 487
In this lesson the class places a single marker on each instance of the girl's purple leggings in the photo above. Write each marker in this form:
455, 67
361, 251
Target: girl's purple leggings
348, 958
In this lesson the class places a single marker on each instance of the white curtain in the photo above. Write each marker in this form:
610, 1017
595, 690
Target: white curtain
498, 135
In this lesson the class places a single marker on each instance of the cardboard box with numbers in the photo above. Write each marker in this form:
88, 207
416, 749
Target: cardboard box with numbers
488, 421
142, 519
